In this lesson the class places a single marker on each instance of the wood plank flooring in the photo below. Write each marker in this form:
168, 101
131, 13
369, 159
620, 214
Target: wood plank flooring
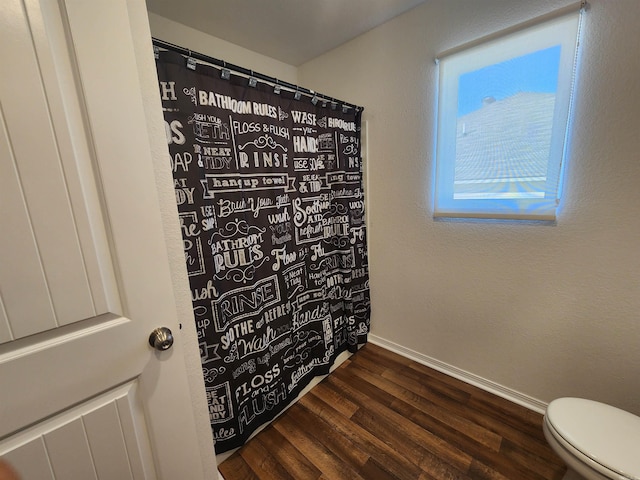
380, 416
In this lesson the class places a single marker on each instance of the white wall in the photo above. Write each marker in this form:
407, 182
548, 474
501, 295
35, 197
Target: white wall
547, 311
187, 37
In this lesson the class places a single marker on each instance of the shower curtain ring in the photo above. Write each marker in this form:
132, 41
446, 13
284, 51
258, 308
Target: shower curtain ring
191, 62
252, 80
225, 73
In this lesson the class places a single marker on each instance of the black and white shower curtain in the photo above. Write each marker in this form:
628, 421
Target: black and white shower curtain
270, 199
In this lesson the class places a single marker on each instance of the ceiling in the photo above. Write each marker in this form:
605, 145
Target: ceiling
292, 31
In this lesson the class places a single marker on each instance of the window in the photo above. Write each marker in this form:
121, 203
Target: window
503, 116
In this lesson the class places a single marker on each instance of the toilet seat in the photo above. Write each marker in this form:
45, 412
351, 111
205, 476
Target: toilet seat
603, 437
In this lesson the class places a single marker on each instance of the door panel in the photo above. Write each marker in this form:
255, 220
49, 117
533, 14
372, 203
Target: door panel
24, 259
95, 440
5, 329
84, 275
31, 460
38, 173
69, 453
50, 371
41, 162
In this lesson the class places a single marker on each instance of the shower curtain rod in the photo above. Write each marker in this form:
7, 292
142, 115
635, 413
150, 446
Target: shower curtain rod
245, 71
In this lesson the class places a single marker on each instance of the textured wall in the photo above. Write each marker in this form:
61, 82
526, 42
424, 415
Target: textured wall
178, 34
547, 311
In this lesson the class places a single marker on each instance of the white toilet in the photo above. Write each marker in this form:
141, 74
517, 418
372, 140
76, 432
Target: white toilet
596, 441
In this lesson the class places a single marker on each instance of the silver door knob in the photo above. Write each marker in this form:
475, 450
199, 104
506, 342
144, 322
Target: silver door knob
161, 338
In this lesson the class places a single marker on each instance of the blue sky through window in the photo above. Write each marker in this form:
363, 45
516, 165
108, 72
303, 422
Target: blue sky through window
534, 72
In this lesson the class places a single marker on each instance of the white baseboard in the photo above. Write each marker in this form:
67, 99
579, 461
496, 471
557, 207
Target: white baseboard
475, 380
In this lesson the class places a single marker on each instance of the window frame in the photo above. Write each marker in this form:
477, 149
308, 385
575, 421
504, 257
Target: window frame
501, 47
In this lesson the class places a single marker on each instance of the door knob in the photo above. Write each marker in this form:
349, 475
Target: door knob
161, 338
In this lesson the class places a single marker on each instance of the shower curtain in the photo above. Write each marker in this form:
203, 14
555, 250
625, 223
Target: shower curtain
270, 199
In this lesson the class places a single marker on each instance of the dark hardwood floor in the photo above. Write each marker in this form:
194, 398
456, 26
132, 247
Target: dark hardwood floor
382, 416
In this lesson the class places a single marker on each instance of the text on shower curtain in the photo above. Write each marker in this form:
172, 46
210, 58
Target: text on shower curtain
271, 207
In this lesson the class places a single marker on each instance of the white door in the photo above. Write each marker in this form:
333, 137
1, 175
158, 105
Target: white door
84, 276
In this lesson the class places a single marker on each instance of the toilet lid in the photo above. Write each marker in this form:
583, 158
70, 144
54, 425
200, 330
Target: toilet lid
605, 434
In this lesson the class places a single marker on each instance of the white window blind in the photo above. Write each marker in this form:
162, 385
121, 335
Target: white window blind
503, 117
